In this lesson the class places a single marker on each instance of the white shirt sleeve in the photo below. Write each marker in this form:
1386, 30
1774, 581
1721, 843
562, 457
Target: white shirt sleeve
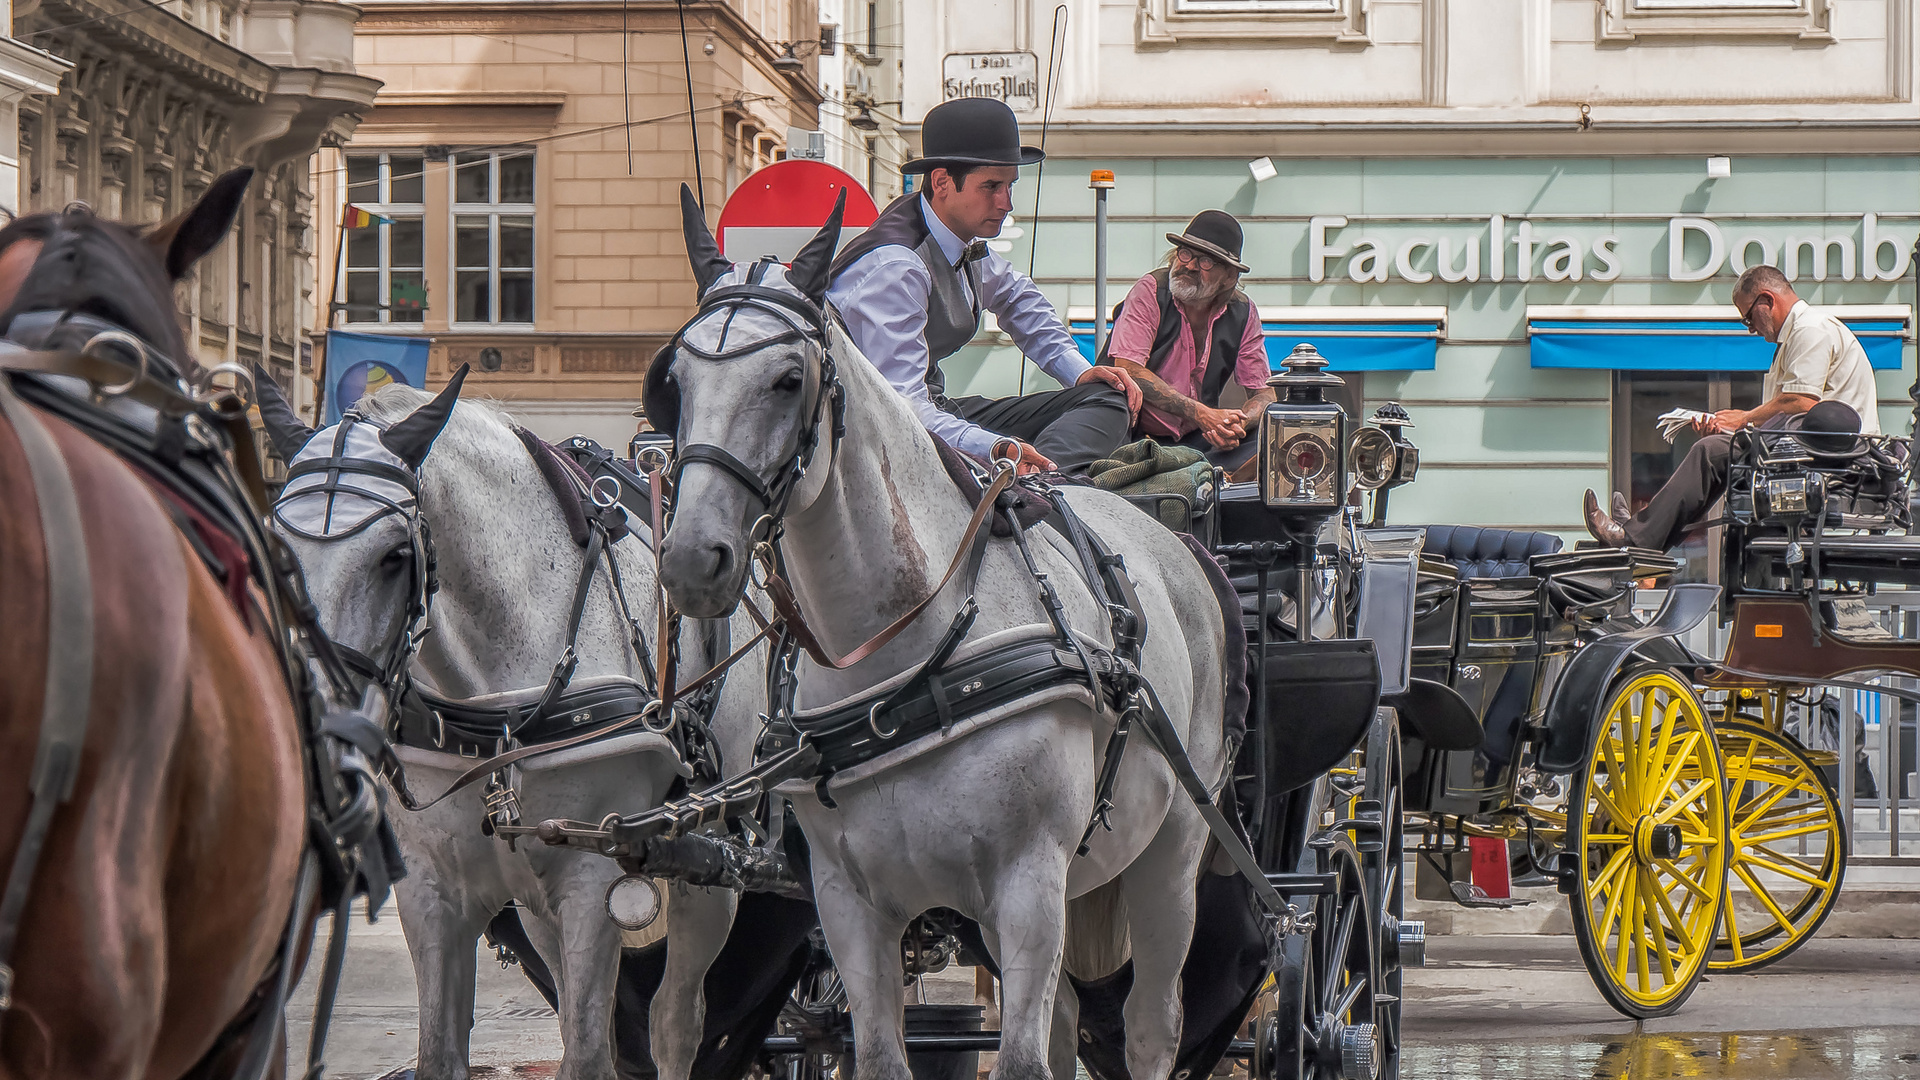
1806, 358
882, 299
1026, 315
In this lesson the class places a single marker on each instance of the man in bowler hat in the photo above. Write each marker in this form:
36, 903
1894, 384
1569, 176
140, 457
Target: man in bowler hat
912, 287
1183, 332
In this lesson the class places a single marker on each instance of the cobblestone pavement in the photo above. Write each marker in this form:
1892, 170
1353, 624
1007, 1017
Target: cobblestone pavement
1492, 1007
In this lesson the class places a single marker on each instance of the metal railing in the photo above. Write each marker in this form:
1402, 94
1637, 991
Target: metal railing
1873, 736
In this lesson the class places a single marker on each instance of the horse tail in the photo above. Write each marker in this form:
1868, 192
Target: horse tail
1097, 942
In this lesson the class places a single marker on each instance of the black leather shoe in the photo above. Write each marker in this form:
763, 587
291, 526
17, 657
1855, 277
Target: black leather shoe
1604, 529
1621, 511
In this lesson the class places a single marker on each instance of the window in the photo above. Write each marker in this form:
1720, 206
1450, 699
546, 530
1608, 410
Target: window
1167, 23
1805, 20
385, 265
1643, 461
493, 237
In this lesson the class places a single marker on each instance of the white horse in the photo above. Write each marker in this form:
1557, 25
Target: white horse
507, 572
986, 818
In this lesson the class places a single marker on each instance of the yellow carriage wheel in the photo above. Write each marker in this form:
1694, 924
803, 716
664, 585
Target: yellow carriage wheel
1788, 851
1647, 826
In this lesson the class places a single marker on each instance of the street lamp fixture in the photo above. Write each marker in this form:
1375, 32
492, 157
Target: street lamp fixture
788, 63
863, 120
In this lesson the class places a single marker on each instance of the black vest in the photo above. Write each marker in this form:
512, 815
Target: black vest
1223, 349
953, 309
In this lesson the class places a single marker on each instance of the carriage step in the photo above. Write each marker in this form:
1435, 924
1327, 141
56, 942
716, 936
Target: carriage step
1304, 884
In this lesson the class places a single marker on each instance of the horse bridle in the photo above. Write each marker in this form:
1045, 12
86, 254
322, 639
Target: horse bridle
829, 394
387, 667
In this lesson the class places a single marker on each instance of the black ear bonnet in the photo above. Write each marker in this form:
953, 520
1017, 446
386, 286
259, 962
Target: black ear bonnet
660, 397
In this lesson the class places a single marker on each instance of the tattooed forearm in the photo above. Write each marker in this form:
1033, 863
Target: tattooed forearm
1259, 400
1155, 392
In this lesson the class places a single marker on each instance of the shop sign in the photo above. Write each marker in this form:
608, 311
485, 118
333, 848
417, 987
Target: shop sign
1698, 248
1010, 77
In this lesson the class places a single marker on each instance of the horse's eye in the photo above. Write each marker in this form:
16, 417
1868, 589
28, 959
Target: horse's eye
790, 383
396, 559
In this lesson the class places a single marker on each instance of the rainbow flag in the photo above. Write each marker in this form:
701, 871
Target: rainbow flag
356, 218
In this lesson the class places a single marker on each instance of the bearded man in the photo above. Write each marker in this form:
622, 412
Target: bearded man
1183, 331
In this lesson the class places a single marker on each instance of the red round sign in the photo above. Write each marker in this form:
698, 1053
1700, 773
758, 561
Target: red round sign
778, 209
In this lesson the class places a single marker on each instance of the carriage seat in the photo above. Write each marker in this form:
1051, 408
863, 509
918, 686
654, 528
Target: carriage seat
1488, 553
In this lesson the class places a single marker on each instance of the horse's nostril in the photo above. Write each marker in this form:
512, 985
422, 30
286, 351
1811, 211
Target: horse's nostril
722, 560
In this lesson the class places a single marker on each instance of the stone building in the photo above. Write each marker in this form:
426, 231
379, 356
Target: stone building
861, 69
1520, 218
153, 102
528, 157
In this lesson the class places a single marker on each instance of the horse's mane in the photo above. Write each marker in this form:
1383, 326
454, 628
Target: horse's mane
471, 416
92, 266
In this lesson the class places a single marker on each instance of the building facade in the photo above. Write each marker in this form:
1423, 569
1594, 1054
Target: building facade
150, 103
526, 160
1520, 218
862, 66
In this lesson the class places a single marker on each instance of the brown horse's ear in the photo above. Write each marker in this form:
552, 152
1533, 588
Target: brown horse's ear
182, 240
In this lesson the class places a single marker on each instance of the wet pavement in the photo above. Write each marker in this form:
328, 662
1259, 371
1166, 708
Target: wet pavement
1484, 1008
1517, 1008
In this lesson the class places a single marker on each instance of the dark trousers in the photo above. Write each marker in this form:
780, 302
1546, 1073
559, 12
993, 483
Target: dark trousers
1695, 486
1070, 427
1226, 459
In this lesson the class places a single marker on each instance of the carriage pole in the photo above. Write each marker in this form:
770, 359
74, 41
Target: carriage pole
1101, 182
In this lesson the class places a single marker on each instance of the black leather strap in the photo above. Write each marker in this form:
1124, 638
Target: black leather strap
720, 458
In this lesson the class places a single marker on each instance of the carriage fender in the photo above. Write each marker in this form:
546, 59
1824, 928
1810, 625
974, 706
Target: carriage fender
1580, 696
1388, 577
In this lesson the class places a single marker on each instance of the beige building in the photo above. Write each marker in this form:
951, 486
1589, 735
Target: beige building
528, 159
152, 102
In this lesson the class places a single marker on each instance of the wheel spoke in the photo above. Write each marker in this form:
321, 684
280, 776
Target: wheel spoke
1685, 803
1765, 897
1733, 931
1794, 871
1680, 761
1617, 771
1686, 881
1656, 931
1787, 834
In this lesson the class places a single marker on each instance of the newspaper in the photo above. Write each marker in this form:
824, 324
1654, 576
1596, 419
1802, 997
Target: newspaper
1675, 421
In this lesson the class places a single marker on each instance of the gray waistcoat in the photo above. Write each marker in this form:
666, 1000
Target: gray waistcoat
952, 317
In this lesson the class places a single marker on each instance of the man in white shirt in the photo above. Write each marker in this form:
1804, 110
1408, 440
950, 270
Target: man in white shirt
1816, 359
912, 287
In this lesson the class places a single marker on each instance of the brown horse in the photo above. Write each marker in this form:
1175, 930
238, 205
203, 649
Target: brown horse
168, 877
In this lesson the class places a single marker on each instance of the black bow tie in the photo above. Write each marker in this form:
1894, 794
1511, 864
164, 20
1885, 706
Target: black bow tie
974, 253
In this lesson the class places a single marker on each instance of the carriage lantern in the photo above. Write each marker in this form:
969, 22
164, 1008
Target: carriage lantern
1303, 460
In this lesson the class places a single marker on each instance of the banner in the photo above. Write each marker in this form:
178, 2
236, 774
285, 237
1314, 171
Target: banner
358, 364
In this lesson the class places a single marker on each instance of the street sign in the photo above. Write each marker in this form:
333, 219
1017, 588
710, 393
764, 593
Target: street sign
778, 209
1009, 77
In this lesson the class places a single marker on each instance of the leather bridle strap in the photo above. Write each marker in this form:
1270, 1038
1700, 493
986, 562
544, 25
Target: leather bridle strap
67, 697
972, 546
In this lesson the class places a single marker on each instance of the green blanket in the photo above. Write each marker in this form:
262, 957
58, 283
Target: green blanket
1148, 468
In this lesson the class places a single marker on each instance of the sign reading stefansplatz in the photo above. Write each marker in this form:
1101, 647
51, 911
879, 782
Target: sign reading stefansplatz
1012, 77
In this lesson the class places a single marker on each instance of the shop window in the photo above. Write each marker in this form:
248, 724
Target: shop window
1167, 23
1642, 459
384, 272
493, 210
1626, 20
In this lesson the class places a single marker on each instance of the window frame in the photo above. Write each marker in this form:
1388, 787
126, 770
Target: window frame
1169, 23
393, 212
1801, 20
493, 210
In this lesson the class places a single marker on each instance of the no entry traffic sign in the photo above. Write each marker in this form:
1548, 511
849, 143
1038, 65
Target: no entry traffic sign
778, 209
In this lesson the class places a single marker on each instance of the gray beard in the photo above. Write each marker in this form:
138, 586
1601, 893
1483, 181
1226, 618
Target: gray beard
1189, 291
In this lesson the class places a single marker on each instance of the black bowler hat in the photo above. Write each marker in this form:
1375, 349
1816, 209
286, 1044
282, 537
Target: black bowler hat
1215, 233
1829, 427
971, 131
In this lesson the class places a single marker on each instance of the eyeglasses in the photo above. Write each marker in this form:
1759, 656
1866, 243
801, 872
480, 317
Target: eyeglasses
1747, 318
1194, 259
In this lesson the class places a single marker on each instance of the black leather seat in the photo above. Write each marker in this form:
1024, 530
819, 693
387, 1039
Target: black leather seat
1488, 553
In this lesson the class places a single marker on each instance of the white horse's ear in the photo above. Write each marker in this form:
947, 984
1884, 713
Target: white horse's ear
811, 270
411, 437
709, 265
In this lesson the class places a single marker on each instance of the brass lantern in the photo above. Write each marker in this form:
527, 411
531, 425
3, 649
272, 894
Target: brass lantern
1303, 437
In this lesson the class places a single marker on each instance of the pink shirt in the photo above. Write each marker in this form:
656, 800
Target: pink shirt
1132, 339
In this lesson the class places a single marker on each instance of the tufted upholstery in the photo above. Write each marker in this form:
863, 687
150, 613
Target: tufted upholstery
1484, 553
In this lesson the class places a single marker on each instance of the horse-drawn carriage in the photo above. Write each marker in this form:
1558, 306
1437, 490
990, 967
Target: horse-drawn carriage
1663, 791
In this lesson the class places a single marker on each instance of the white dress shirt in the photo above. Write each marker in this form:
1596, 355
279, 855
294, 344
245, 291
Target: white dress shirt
1819, 357
883, 299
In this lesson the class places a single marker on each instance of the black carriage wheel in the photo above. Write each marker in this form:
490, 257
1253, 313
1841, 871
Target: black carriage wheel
1383, 870
1334, 1036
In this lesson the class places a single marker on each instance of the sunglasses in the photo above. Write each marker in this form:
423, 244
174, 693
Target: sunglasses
1747, 319
1194, 259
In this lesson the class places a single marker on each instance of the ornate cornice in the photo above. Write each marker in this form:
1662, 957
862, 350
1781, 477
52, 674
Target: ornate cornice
155, 38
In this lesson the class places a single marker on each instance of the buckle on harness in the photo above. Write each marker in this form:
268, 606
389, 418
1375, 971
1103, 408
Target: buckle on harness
873, 721
6, 987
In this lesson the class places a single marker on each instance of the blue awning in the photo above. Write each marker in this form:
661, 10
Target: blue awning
1349, 343
1629, 341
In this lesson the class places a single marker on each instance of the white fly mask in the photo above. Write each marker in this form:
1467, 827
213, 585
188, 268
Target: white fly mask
344, 480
